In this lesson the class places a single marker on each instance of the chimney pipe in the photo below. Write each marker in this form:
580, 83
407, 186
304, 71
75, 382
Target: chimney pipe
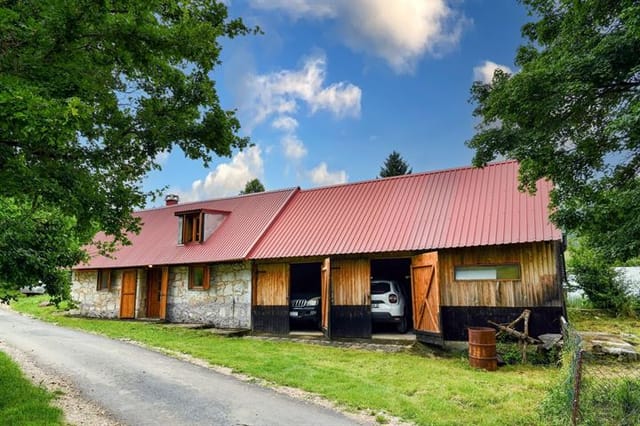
171, 199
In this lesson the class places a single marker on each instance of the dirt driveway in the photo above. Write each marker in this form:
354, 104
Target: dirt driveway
132, 385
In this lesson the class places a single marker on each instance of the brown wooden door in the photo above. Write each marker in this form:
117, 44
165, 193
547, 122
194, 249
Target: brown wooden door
350, 298
425, 288
270, 312
164, 288
325, 296
128, 295
154, 283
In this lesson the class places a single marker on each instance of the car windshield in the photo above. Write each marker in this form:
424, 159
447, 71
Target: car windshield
380, 287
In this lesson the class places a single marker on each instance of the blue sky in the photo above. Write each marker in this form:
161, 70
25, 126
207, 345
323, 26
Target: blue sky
333, 86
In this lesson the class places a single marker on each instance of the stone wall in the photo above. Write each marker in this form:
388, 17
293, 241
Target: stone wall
93, 303
226, 304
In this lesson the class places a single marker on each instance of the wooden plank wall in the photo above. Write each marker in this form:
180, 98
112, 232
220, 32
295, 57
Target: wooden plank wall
351, 281
272, 286
538, 286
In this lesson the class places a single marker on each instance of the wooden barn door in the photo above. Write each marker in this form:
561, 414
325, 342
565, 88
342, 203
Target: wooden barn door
425, 288
351, 298
270, 312
128, 295
325, 297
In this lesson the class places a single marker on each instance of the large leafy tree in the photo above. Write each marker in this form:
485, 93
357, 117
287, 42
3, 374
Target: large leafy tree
90, 94
572, 114
394, 165
252, 186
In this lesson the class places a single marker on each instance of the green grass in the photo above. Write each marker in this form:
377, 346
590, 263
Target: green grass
22, 403
603, 321
417, 388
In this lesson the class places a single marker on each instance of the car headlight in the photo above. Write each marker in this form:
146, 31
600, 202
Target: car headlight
313, 302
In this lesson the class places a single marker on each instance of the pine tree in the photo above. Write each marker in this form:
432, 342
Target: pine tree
394, 165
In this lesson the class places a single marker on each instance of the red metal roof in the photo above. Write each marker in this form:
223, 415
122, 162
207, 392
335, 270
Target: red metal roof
157, 243
443, 209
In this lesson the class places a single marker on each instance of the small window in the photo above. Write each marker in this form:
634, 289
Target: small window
487, 272
104, 280
191, 228
199, 277
380, 287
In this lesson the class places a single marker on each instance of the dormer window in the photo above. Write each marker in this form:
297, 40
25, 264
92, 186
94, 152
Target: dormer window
195, 226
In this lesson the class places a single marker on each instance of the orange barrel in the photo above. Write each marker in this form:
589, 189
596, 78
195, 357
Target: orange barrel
482, 348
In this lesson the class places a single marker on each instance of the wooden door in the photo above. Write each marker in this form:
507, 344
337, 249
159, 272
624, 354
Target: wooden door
325, 296
128, 295
350, 298
270, 311
154, 283
164, 288
425, 288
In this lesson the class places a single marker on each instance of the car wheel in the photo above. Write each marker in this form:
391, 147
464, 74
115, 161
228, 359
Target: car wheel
402, 325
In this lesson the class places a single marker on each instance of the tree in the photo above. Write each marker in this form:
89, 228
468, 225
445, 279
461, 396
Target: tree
252, 186
394, 165
572, 114
90, 94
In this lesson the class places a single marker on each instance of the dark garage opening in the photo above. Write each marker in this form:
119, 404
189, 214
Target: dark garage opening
304, 296
398, 270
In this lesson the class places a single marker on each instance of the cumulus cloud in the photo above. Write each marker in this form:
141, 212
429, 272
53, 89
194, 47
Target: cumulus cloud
320, 175
484, 72
279, 93
288, 124
227, 178
399, 32
293, 147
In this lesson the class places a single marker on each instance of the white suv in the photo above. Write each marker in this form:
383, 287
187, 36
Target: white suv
388, 304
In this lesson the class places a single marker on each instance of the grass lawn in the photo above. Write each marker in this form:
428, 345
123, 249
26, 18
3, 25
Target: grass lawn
22, 403
416, 388
599, 320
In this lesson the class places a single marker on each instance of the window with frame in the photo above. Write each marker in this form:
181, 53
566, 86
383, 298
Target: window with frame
104, 280
191, 228
199, 276
487, 272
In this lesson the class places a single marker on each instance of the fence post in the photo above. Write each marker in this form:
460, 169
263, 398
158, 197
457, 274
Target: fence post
577, 382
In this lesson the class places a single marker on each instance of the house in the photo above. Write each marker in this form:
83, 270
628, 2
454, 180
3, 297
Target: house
466, 245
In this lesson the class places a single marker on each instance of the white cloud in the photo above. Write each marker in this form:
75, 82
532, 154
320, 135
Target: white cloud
162, 157
293, 147
278, 93
399, 31
286, 123
298, 8
484, 72
320, 175
227, 178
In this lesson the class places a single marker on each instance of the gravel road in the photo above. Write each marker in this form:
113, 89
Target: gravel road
137, 386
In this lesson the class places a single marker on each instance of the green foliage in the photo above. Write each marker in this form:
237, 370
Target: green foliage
22, 403
253, 186
90, 94
601, 283
394, 165
572, 114
35, 245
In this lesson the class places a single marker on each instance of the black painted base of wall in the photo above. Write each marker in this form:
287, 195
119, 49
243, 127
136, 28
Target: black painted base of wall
351, 321
270, 319
456, 319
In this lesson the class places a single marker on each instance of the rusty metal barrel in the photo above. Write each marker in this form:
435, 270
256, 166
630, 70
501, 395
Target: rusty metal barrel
482, 348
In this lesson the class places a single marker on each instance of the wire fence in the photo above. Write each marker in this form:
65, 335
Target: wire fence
601, 390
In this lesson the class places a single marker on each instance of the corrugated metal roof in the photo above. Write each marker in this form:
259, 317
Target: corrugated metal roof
157, 243
444, 209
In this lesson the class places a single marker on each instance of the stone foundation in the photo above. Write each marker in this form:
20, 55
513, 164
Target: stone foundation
93, 303
226, 304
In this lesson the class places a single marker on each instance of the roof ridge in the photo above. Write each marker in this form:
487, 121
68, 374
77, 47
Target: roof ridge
209, 200
410, 175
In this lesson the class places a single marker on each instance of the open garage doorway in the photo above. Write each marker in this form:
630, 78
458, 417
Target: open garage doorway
304, 297
391, 298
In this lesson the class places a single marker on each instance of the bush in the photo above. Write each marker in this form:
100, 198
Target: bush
601, 283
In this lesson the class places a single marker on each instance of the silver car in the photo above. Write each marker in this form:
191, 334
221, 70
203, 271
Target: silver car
388, 304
